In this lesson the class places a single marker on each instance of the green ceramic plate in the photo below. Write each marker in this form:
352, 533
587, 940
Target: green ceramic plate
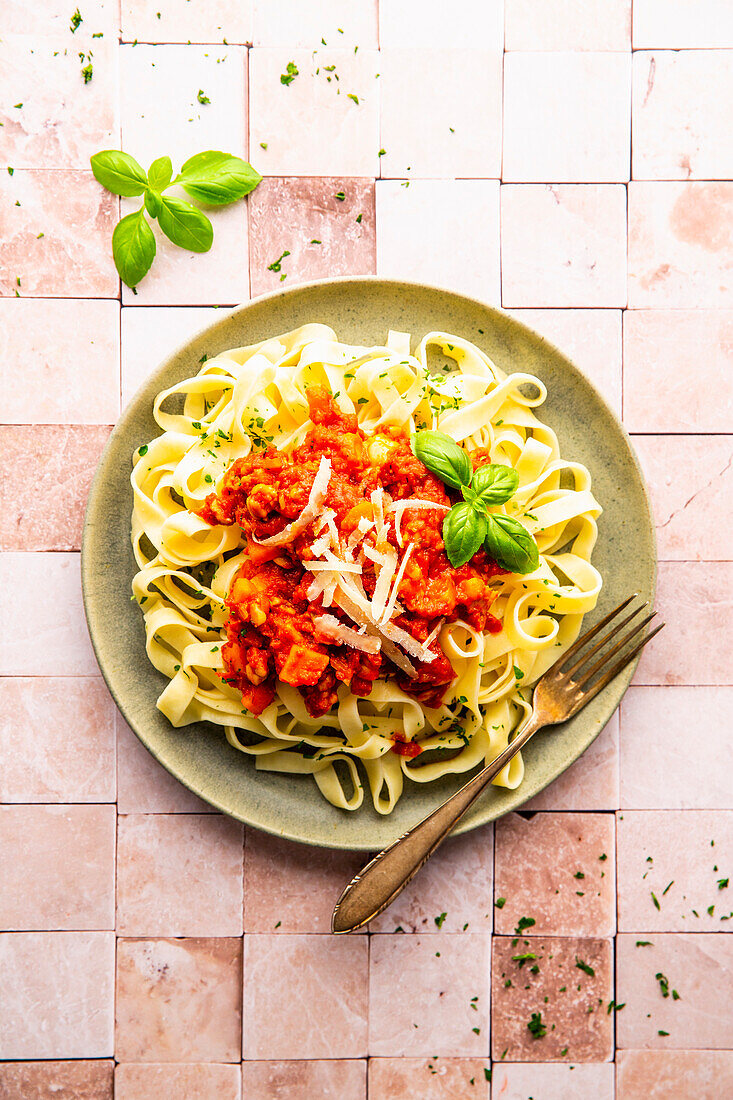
361, 311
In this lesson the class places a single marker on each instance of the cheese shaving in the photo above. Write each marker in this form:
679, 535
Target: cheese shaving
330, 627
312, 509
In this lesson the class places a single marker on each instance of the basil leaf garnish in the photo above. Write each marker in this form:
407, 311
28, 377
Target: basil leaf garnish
443, 457
160, 173
494, 483
133, 248
510, 544
464, 530
217, 178
119, 172
185, 225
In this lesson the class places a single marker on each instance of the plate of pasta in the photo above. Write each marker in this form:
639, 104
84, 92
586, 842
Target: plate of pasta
336, 539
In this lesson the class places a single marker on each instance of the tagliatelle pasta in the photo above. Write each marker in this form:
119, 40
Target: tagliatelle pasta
247, 400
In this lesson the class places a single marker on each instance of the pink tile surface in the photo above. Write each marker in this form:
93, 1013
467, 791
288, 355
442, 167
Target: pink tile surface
301, 1080
179, 875
319, 231
292, 888
57, 866
680, 120
48, 17
62, 120
553, 1082
318, 983
571, 1003
663, 350
310, 126
178, 1000
446, 128
457, 882
567, 117
429, 995
47, 513
144, 786
682, 510
181, 21
56, 1080
177, 1082
290, 23
56, 996
694, 600
563, 245
549, 869
42, 214
680, 245
73, 718
426, 23
428, 1078
657, 769
680, 24
685, 1074
150, 334
695, 965
45, 341
591, 783
693, 850
459, 217
568, 24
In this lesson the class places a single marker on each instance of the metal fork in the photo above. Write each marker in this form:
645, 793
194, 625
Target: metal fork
558, 695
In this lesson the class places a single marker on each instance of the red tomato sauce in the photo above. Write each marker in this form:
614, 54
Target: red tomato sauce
271, 632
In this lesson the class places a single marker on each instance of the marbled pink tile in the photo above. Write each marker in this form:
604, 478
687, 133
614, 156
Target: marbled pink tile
567, 117
144, 786
557, 869
55, 235
73, 719
680, 115
429, 995
36, 643
291, 887
318, 983
429, 1078
181, 21
663, 351
694, 600
591, 338
42, 344
683, 507
553, 1082
304, 1080
310, 127
62, 120
179, 875
292, 23
56, 1080
175, 75
291, 214
177, 1082
456, 882
563, 245
458, 217
50, 17
680, 237
591, 783
568, 25
447, 127
690, 849
57, 867
430, 23
56, 994
682, 24
151, 334
684, 1074
179, 1000
658, 771
699, 967
46, 513
571, 1003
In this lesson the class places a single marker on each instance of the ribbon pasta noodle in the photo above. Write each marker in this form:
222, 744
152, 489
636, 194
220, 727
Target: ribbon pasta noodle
246, 399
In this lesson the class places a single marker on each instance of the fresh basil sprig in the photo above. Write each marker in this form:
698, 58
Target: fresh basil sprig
469, 525
211, 177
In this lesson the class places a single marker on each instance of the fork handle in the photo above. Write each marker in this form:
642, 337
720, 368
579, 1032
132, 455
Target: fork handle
386, 875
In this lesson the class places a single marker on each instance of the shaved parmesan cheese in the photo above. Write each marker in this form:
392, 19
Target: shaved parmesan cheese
411, 645
335, 566
389, 609
398, 658
433, 634
330, 627
312, 509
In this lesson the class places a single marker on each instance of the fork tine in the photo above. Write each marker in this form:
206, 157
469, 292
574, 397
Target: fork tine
603, 660
593, 631
584, 657
620, 665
